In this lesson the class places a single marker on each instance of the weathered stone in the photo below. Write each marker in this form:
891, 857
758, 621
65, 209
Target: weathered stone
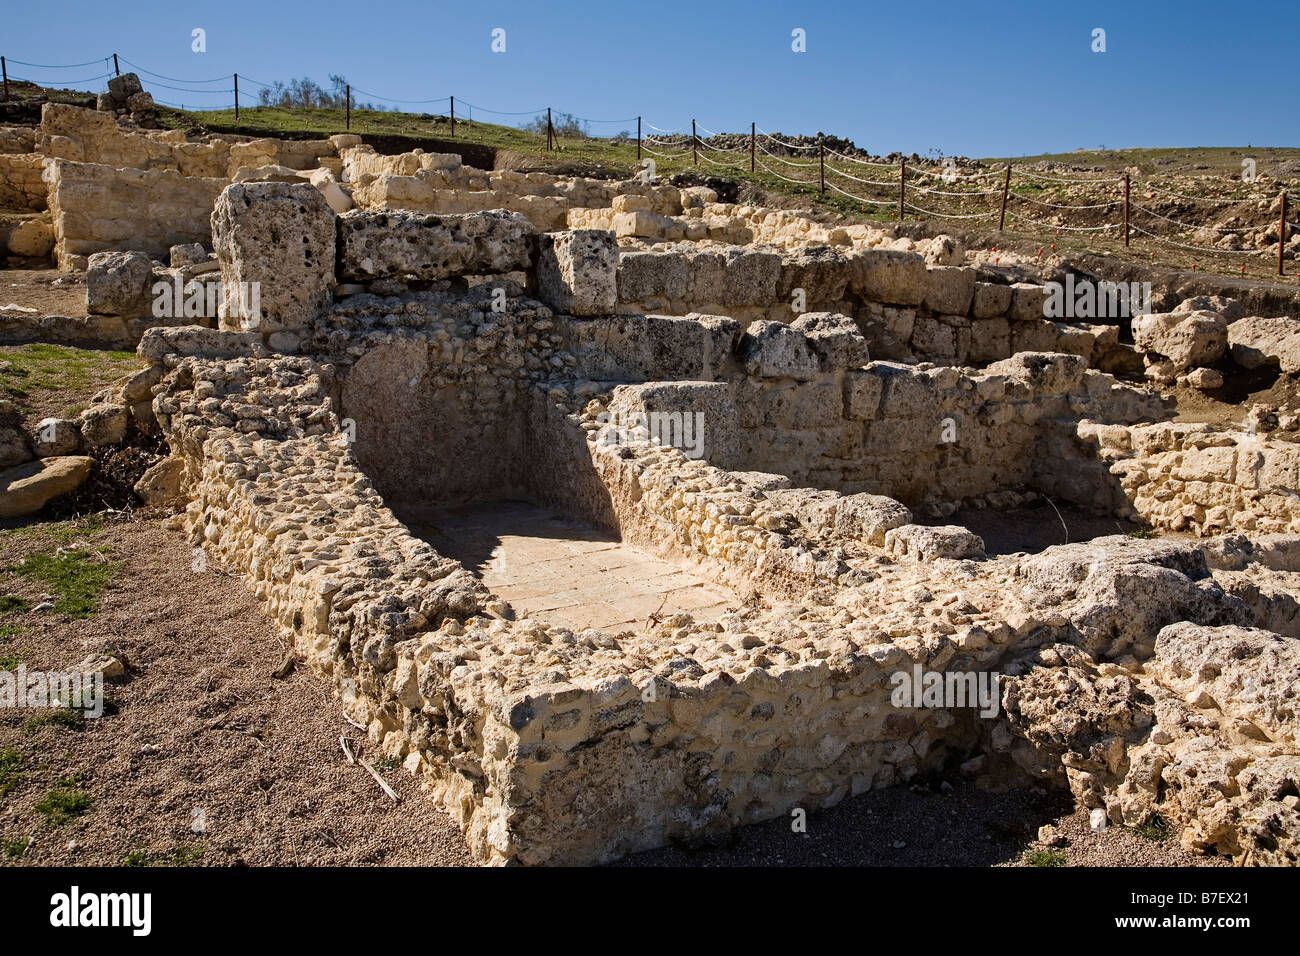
26, 489
275, 243
577, 271
1186, 340
894, 277
773, 350
1259, 341
104, 424
372, 245
162, 485
835, 338
117, 283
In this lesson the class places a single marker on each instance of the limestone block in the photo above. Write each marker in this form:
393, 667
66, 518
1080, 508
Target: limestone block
161, 486
187, 254
56, 437
27, 488
949, 289
944, 250
750, 278
699, 418
870, 518
378, 244
117, 283
1257, 341
1028, 302
32, 238
577, 271
990, 300
281, 237
1046, 373
835, 338
774, 350
122, 87
926, 542
990, 339
891, 276
1186, 339
862, 389
104, 424
646, 277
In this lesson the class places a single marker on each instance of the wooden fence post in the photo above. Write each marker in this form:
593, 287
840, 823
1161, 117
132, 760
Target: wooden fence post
453, 117
5, 70
902, 185
821, 160
1006, 188
695, 157
1126, 185
236, 97
751, 147
348, 103
116, 71
638, 140
550, 135
1281, 234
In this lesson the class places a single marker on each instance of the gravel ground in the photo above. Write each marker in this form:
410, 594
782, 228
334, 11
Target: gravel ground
202, 726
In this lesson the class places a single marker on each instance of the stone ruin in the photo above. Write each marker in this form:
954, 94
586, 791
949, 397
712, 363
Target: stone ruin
433, 344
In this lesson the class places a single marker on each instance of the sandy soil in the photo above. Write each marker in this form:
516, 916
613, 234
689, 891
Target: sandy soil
201, 728
49, 291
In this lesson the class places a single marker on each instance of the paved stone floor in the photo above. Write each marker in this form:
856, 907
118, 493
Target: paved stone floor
562, 571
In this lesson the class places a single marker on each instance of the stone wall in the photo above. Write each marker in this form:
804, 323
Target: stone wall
97, 207
554, 746
21, 182
907, 309
87, 136
1188, 477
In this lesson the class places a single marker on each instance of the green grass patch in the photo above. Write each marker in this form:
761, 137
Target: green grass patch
1144, 533
77, 578
40, 372
64, 803
14, 848
1045, 858
1154, 828
11, 603
64, 717
9, 661
184, 854
59, 532
10, 762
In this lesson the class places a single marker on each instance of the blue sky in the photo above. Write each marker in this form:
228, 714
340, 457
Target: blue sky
973, 78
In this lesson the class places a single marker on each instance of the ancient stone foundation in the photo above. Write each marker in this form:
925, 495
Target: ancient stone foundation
417, 361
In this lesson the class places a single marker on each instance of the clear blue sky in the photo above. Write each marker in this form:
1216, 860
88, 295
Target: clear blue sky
974, 78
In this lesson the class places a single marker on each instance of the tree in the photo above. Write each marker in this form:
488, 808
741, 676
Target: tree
306, 92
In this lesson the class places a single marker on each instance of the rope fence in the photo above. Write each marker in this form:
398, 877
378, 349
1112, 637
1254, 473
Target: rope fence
815, 161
